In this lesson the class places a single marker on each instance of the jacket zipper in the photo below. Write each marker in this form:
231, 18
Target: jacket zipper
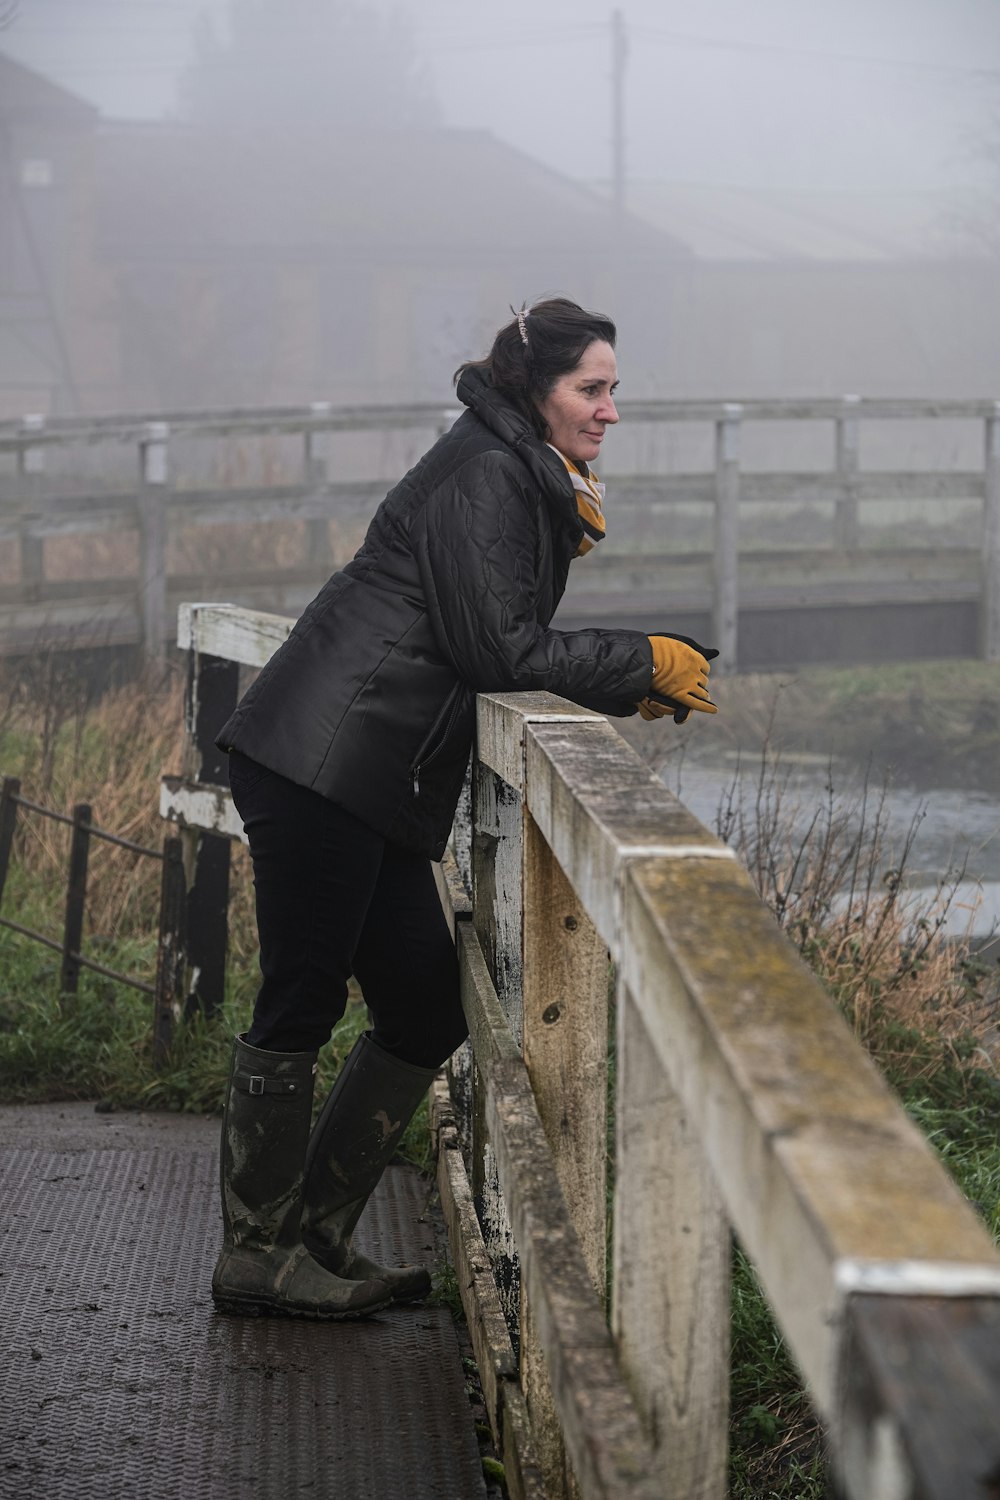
439, 731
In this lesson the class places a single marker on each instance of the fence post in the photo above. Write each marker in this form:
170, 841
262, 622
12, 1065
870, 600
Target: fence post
727, 535
316, 475
990, 599
670, 1313
152, 506
76, 899
169, 986
565, 1046
212, 691
9, 793
449, 416
496, 887
30, 474
845, 516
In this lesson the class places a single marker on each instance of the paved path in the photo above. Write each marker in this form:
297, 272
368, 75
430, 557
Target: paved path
118, 1379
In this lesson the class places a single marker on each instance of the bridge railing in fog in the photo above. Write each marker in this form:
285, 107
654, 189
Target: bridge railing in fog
137, 605
740, 1102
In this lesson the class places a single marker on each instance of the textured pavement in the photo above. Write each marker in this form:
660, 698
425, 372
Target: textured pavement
117, 1377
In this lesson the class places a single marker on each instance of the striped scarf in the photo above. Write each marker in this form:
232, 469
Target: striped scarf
589, 503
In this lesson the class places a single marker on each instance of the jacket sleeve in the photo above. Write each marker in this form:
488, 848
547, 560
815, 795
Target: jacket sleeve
475, 542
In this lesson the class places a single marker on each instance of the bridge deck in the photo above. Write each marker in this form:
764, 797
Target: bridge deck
118, 1378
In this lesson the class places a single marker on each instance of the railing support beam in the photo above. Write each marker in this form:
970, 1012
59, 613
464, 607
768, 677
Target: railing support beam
153, 481
990, 630
671, 1269
726, 550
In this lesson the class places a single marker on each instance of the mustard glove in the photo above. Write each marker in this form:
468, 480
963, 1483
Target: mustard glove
680, 675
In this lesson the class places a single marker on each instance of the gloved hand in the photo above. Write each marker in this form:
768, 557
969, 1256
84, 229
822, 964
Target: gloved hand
680, 677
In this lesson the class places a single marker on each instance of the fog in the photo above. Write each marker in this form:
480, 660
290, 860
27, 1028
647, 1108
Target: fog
271, 203
862, 93
278, 201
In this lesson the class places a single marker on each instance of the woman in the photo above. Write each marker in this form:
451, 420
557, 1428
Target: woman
347, 756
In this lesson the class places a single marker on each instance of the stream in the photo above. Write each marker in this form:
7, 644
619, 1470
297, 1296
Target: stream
956, 828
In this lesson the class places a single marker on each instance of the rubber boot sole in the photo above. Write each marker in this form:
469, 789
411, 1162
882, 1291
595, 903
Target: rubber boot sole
256, 1307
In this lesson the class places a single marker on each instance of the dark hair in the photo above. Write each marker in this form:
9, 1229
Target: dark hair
558, 334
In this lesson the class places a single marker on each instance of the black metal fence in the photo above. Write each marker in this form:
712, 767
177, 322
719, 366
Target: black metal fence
167, 987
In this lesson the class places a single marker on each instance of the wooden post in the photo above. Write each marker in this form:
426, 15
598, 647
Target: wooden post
496, 886
170, 965
727, 536
153, 481
845, 518
212, 692
565, 1046
9, 793
30, 477
990, 598
316, 477
671, 1270
76, 900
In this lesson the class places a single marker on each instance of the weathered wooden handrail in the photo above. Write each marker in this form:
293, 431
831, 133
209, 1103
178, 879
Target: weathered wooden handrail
156, 505
34, 431
742, 1102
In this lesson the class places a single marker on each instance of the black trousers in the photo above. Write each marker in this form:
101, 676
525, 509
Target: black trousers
334, 899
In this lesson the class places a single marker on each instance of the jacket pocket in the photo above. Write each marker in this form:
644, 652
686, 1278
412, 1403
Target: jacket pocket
437, 736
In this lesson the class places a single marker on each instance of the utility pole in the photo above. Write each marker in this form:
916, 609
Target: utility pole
619, 52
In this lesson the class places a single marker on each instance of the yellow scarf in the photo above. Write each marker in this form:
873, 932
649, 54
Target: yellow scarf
589, 504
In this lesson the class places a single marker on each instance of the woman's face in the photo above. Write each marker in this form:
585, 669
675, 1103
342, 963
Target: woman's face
579, 406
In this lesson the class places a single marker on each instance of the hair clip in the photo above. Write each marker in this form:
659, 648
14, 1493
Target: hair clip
522, 330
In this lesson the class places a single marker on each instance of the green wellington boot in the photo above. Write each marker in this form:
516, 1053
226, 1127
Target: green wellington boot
354, 1138
264, 1266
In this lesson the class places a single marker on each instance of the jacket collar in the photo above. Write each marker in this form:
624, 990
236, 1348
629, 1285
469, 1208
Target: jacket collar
513, 428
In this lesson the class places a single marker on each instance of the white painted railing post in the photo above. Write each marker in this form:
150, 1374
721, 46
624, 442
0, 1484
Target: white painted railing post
152, 506
496, 894
565, 1046
727, 536
315, 456
670, 1313
448, 418
30, 477
845, 519
990, 605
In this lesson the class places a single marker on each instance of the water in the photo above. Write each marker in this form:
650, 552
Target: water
958, 831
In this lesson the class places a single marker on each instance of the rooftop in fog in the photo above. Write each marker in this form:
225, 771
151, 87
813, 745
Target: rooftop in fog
421, 191
28, 94
728, 223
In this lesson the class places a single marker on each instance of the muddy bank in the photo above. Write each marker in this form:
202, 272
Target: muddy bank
927, 725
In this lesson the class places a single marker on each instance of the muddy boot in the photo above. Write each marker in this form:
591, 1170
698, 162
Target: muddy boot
355, 1136
264, 1266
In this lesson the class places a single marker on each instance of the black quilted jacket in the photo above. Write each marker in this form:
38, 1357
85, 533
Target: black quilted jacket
371, 699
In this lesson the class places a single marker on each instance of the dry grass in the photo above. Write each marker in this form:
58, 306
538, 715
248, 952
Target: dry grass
68, 747
834, 877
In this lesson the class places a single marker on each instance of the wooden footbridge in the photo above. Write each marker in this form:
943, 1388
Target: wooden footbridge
107, 524
740, 1103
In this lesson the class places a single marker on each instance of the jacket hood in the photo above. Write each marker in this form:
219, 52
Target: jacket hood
513, 428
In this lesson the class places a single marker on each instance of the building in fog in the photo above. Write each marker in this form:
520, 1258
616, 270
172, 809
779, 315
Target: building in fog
797, 292
58, 323
158, 266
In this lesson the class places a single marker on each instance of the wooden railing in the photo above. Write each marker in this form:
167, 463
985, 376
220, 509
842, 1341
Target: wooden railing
139, 608
741, 1103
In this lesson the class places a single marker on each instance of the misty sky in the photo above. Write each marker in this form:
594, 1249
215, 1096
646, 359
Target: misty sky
794, 93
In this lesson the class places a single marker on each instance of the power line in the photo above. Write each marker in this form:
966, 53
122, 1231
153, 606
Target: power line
717, 44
